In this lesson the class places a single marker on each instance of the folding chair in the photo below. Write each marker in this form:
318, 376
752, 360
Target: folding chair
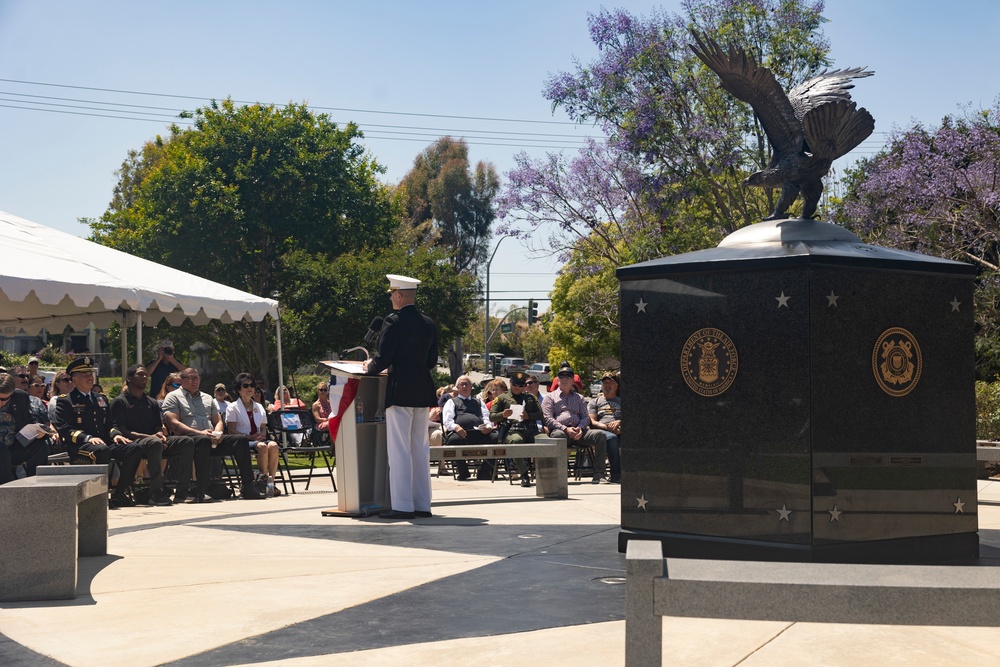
288, 422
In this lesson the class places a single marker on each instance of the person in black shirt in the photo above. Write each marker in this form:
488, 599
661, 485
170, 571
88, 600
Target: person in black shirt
137, 416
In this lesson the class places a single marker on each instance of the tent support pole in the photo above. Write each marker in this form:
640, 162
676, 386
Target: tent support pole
138, 338
281, 372
124, 337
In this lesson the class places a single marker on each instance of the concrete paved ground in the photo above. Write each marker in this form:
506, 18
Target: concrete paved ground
497, 577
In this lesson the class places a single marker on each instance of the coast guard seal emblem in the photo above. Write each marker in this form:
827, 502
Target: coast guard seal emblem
709, 362
897, 361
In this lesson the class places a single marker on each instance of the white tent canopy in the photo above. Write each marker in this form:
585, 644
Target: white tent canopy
52, 279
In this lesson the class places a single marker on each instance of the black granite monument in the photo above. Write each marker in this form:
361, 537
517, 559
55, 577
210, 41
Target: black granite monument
796, 394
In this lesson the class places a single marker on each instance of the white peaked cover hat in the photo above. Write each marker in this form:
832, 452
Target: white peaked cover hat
401, 282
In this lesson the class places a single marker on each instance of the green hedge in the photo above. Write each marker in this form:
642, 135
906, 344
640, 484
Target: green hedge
988, 410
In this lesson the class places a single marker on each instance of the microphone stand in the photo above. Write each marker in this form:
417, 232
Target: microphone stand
355, 349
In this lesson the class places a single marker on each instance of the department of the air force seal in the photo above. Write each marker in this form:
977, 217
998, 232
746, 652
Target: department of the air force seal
709, 362
897, 362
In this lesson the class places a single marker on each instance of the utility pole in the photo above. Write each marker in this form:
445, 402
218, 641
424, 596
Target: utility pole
486, 335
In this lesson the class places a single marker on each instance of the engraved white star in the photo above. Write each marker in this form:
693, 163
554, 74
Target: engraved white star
642, 502
640, 306
831, 300
835, 514
782, 300
955, 303
959, 505
783, 513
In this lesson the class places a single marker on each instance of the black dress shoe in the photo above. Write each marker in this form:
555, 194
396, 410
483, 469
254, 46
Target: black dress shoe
393, 514
121, 501
423, 515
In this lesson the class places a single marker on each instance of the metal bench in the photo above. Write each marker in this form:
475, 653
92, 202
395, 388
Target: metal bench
802, 592
47, 522
549, 454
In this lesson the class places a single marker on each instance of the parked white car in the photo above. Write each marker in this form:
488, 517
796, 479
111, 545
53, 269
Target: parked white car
543, 371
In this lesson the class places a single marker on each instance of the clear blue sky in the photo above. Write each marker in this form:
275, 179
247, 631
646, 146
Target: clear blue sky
460, 59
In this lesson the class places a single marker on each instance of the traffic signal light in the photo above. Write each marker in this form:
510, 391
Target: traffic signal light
532, 311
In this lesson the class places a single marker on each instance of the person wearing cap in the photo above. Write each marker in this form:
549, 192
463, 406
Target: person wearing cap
565, 413
220, 396
83, 420
408, 346
192, 413
33, 366
606, 415
524, 429
577, 382
15, 414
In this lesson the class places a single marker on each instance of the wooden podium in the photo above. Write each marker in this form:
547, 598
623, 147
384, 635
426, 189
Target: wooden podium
362, 461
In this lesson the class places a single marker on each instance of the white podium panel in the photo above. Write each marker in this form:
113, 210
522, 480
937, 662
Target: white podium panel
360, 448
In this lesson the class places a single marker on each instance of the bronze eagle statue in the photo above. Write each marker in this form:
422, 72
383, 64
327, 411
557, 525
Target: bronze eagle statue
808, 128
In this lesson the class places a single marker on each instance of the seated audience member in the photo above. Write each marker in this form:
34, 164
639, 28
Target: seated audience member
138, 417
522, 429
15, 414
33, 367
61, 385
193, 413
533, 387
21, 377
83, 419
172, 382
577, 382
444, 394
321, 415
606, 415
40, 411
288, 401
246, 416
565, 413
221, 397
467, 422
260, 396
493, 389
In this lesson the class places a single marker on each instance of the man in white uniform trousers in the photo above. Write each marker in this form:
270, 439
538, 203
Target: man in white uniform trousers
408, 347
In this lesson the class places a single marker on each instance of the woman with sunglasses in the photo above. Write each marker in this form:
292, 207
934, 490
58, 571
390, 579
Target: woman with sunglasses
247, 417
61, 384
321, 415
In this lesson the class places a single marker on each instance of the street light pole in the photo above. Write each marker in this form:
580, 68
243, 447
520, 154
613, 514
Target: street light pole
486, 335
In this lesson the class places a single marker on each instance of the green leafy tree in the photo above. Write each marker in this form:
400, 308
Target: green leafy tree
451, 203
451, 206
584, 327
232, 197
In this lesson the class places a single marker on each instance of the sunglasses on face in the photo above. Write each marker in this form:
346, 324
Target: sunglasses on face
4, 399
38, 384
244, 386
23, 376
324, 391
63, 380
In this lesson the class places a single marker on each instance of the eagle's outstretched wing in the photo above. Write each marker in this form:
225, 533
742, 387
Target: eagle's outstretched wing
749, 82
836, 128
824, 88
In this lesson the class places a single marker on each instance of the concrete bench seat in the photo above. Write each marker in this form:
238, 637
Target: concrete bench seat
47, 522
955, 595
551, 461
